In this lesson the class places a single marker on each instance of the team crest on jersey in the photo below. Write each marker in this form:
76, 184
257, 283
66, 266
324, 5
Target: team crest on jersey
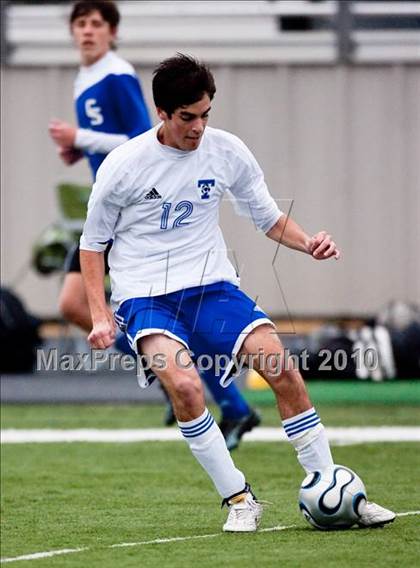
206, 185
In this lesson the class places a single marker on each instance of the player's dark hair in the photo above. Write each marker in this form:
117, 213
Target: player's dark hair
180, 81
107, 8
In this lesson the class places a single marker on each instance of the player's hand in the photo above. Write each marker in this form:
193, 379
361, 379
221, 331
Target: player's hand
102, 334
321, 247
63, 133
69, 155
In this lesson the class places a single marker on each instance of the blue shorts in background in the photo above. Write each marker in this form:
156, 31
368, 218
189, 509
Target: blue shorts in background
208, 320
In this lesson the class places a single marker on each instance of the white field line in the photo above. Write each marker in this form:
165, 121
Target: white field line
38, 555
345, 435
179, 538
50, 553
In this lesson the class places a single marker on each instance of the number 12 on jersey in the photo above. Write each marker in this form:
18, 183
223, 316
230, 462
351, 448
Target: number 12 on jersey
184, 210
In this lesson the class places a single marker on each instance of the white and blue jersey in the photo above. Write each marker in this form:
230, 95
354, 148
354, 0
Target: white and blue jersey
169, 267
161, 207
110, 107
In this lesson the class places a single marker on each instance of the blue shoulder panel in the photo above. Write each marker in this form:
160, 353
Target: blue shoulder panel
114, 105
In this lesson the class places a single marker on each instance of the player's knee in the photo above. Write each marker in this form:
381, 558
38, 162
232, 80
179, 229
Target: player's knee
70, 310
278, 379
65, 307
187, 389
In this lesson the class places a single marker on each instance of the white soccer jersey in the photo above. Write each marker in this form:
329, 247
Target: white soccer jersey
161, 207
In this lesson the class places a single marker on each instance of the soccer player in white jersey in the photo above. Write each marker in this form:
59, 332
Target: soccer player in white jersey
176, 293
110, 110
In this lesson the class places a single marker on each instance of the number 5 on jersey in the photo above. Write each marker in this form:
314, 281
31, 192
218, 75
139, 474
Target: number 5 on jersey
94, 112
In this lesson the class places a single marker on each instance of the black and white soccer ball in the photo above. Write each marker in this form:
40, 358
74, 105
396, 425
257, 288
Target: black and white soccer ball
332, 499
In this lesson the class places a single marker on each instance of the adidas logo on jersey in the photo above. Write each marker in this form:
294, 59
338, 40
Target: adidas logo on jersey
153, 194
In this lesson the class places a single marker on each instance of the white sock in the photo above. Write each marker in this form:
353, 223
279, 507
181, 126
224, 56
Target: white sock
308, 436
209, 448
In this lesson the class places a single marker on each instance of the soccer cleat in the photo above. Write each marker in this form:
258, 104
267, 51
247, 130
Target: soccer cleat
244, 512
233, 430
374, 516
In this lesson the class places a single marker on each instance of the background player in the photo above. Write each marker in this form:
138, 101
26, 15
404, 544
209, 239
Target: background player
110, 110
176, 291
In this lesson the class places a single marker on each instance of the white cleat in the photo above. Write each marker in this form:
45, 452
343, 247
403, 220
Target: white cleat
244, 514
374, 516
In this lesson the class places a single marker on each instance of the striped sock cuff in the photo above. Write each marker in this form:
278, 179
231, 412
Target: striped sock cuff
198, 426
301, 422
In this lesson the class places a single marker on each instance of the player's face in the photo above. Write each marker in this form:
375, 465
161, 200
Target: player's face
93, 36
185, 128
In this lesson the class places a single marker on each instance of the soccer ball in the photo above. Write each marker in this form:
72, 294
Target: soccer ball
331, 499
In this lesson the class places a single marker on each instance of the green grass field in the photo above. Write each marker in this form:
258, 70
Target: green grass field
150, 416
69, 496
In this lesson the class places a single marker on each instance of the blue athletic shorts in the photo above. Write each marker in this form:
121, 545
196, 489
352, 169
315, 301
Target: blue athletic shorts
208, 320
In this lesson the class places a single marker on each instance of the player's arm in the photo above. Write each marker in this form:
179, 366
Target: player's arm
71, 141
93, 272
64, 135
105, 203
289, 233
254, 200
97, 142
